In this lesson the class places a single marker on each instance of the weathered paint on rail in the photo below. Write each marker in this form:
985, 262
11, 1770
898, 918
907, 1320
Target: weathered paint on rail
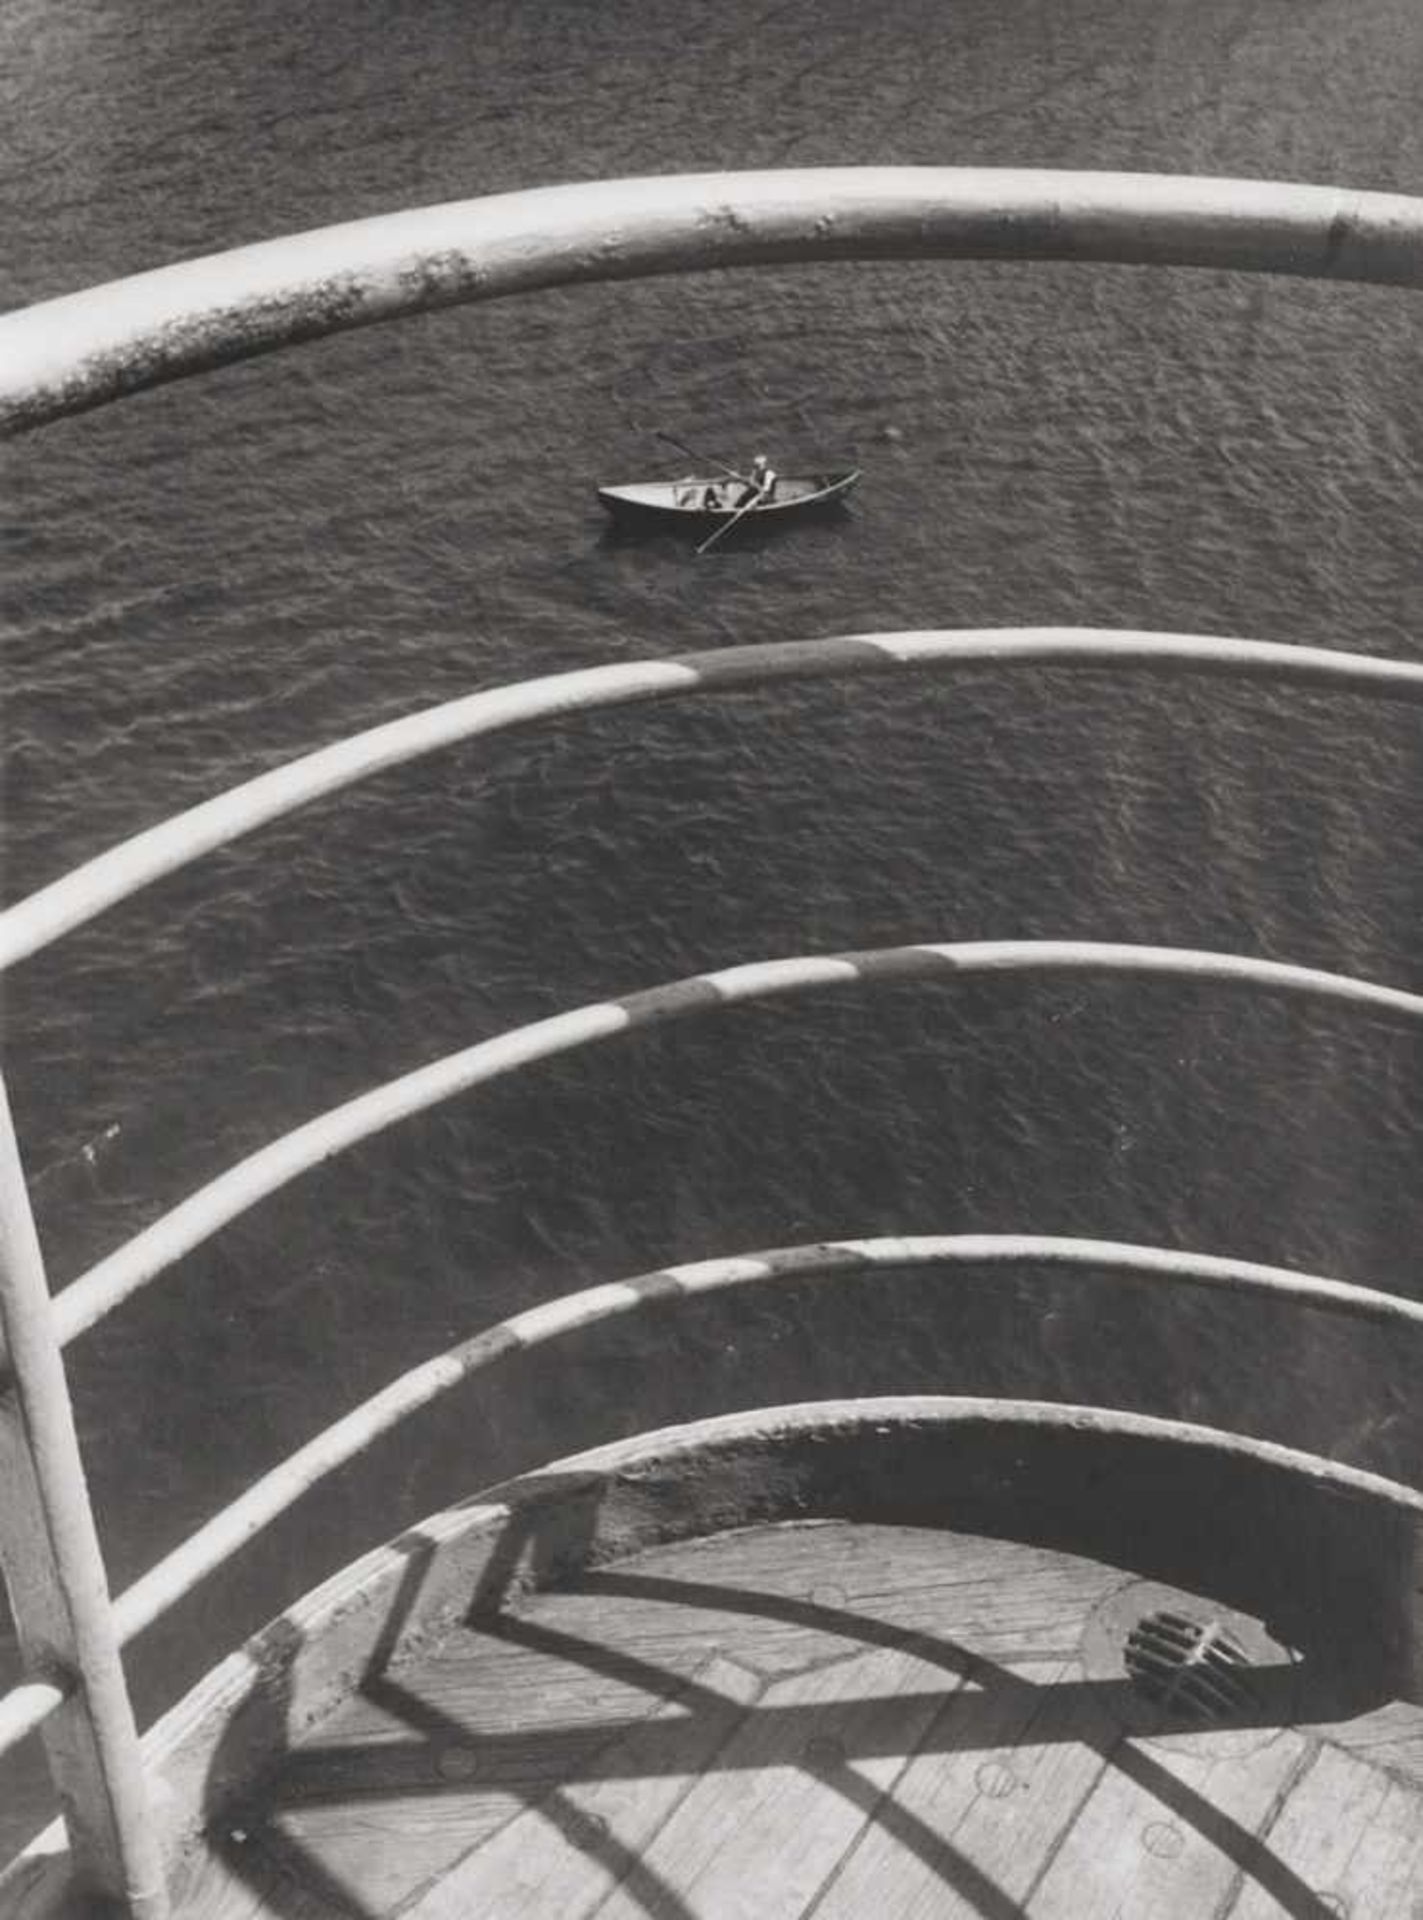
194, 1220
89, 890
214, 1543
70, 354
57, 1587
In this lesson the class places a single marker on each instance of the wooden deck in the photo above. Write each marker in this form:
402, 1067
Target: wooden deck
832, 1718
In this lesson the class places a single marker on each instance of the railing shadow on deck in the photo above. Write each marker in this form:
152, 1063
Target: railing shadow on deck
80, 352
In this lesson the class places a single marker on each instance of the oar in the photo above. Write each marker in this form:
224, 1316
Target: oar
692, 454
740, 514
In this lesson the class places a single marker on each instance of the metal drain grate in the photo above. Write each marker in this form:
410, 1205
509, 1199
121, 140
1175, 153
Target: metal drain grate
1180, 1663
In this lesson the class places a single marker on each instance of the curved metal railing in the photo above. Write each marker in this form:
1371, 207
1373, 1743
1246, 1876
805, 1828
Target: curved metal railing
78, 352
263, 1173
346, 1439
111, 877
82, 351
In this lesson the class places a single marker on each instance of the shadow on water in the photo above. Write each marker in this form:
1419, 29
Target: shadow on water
984, 1707
753, 534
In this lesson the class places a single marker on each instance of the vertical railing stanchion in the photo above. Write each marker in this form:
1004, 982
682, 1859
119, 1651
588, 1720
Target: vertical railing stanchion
54, 1570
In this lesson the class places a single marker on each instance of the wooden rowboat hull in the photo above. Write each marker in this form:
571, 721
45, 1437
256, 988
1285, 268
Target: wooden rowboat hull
680, 505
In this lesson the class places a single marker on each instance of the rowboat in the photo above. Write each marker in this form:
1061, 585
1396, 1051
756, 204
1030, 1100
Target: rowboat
916, 1648
699, 505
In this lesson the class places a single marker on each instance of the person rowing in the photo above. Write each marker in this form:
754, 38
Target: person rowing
760, 485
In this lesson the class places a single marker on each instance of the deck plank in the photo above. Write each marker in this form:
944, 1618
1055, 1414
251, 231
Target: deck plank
1391, 1736
756, 1836
978, 1812
244, 1881
564, 1854
1355, 1836
811, 1719
489, 1728
1168, 1829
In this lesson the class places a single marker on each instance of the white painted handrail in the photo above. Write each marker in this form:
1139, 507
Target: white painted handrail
78, 352
87, 891
150, 1597
24, 1710
90, 347
197, 1218
57, 1585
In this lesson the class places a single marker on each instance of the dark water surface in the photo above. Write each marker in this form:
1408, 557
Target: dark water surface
225, 573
